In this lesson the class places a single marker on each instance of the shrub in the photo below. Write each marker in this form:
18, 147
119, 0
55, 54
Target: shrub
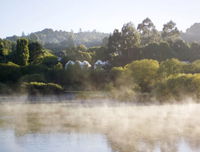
33, 78
10, 72
179, 86
35, 88
143, 72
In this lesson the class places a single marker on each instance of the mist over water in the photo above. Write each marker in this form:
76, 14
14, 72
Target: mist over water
125, 127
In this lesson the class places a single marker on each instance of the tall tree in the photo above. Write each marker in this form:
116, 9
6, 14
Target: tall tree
3, 52
35, 50
22, 52
114, 42
130, 38
5, 49
148, 32
170, 31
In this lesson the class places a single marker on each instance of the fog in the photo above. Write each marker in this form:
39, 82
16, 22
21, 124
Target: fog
128, 127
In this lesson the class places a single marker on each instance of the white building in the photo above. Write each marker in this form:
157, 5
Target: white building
100, 64
70, 62
83, 65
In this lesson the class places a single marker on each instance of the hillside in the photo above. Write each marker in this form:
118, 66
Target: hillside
192, 34
58, 40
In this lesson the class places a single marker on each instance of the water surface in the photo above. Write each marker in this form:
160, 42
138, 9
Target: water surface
52, 142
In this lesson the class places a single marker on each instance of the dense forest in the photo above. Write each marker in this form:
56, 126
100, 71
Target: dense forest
129, 63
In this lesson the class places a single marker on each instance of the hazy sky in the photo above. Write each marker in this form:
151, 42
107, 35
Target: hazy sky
29, 16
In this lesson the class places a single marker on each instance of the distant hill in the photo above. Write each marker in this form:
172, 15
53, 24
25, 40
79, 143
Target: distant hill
58, 40
192, 34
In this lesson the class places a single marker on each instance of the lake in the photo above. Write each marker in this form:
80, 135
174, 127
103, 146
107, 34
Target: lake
98, 127
52, 142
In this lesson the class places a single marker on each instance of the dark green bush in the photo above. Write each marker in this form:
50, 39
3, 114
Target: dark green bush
35, 88
9, 72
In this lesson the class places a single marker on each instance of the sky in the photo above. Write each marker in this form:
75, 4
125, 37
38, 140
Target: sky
17, 16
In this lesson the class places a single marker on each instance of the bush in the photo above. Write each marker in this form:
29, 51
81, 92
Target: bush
171, 66
33, 78
143, 73
34, 69
35, 88
179, 86
10, 72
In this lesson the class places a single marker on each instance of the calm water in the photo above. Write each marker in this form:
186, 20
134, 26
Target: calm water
52, 142
74, 128
62, 142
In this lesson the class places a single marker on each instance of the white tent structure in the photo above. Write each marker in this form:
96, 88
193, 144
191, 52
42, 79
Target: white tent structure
100, 64
70, 62
83, 65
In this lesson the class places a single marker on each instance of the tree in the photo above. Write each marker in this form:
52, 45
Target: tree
158, 51
77, 53
194, 51
179, 86
170, 31
22, 52
35, 50
114, 42
170, 66
33, 37
181, 50
3, 52
143, 73
82, 47
148, 32
130, 37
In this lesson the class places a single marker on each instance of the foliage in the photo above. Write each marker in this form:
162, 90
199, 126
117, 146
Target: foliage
178, 86
22, 52
33, 78
170, 31
171, 66
141, 61
43, 57
10, 72
60, 40
148, 32
35, 50
35, 88
143, 73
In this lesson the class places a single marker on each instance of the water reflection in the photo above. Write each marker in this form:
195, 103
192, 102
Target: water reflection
52, 142
170, 128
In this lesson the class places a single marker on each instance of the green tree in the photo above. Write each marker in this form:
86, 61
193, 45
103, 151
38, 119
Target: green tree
170, 31
143, 72
130, 38
148, 32
22, 52
170, 66
3, 52
82, 47
35, 50
178, 87
114, 43
181, 50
